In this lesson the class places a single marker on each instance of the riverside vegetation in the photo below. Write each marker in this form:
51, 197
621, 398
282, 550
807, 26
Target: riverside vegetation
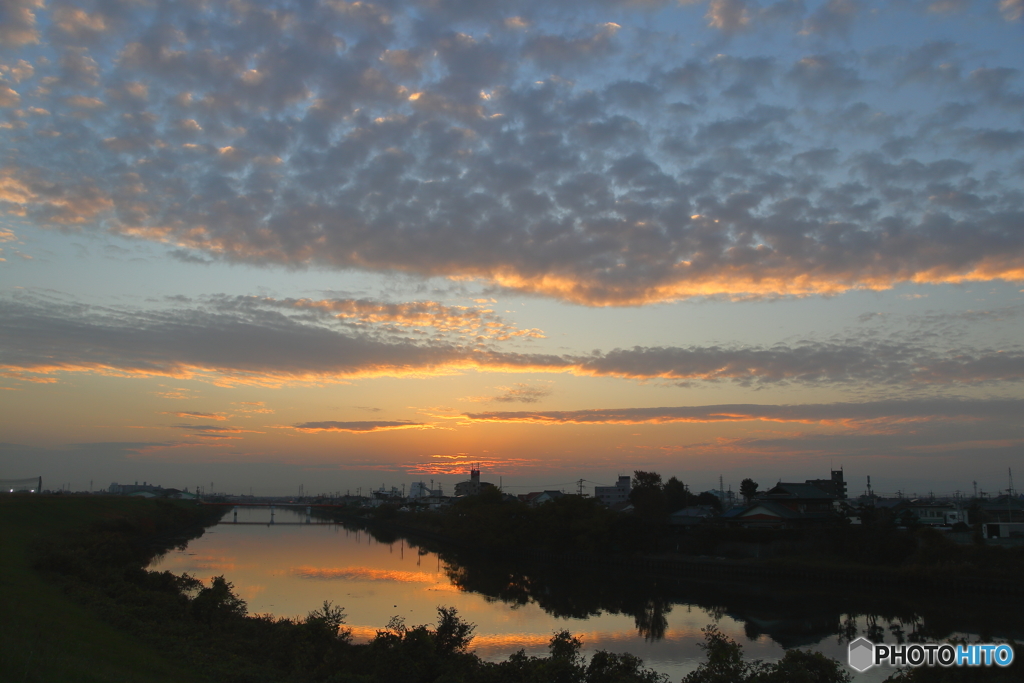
883, 546
79, 606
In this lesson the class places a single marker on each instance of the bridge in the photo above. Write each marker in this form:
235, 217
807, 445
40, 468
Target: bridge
293, 506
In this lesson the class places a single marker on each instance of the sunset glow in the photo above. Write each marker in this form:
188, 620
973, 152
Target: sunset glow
258, 246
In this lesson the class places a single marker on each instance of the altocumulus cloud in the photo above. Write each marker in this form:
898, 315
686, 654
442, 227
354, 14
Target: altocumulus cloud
270, 346
525, 144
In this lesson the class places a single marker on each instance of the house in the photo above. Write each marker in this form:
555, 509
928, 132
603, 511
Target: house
614, 495
934, 513
763, 514
691, 516
805, 499
540, 497
1003, 508
789, 505
473, 485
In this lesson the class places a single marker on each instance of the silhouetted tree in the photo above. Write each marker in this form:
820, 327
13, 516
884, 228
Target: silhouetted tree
676, 495
647, 497
710, 499
218, 602
748, 488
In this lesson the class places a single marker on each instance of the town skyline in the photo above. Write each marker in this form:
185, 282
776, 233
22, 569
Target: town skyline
280, 244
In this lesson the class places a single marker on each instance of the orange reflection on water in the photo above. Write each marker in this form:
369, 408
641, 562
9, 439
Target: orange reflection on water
507, 643
364, 574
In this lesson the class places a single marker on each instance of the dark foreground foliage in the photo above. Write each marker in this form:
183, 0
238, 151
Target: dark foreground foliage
725, 664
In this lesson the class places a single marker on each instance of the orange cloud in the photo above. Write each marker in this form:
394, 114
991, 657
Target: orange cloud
867, 413
363, 427
198, 416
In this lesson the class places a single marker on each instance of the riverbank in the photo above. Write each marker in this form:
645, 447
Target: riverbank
46, 634
933, 573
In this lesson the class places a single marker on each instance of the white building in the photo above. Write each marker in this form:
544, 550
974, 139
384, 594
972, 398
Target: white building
420, 489
613, 495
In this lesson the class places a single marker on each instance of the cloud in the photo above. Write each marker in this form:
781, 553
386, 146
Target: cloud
260, 346
527, 146
1012, 10
362, 427
19, 22
518, 393
213, 429
444, 465
728, 16
476, 321
253, 408
552, 51
834, 413
199, 416
811, 363
833, 17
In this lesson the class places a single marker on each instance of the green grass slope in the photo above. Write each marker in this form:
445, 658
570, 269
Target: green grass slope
46, 636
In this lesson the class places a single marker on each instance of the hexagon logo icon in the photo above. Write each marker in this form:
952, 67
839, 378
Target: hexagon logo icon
862, 654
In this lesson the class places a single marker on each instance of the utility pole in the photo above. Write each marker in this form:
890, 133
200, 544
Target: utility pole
579, 487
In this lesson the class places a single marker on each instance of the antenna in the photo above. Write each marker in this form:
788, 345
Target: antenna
1008, 470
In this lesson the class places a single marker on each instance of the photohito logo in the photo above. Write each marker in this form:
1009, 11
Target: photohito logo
864, 654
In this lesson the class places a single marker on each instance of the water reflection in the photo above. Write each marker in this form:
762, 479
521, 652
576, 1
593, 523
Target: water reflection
290, 569
793, 614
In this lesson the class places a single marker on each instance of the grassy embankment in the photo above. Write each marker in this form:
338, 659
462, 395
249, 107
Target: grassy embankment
45, 635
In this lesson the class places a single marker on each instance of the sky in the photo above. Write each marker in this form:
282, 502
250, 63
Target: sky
253, 246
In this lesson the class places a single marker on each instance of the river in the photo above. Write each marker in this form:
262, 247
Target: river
288, 568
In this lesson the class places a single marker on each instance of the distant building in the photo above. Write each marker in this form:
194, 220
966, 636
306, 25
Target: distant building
135, 489
934, 513
539, 497
614, 495
383, 495
691, 516
1002, 509
420, 489
473, 485
835, 486
801, 498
